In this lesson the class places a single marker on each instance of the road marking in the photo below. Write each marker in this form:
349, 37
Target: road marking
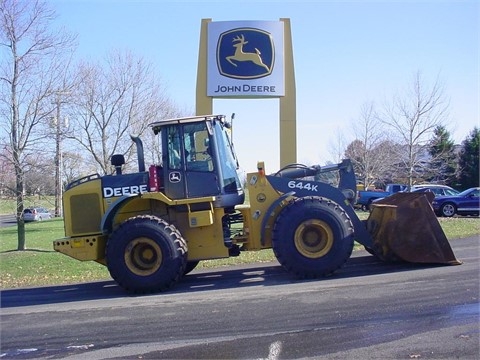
275, 350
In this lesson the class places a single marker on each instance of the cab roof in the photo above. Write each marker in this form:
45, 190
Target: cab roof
157, 125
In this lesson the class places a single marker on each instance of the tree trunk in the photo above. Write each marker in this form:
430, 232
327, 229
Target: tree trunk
21, 235
19, 195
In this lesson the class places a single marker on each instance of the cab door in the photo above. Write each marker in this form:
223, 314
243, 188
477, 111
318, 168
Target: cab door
190, 167
200, 172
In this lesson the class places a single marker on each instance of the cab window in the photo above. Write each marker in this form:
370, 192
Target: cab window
174, 149
198, 156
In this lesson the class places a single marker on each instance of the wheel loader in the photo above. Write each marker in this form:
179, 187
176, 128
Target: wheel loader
153, 226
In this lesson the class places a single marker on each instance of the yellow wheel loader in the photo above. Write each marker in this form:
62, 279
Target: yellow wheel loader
153, 226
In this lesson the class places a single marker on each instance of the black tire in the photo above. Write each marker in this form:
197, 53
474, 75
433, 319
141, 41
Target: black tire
312, 237
190, 266
146, 254
448, 209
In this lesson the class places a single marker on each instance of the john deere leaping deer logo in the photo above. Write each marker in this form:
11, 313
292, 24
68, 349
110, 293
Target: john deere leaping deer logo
240, 55
245, 53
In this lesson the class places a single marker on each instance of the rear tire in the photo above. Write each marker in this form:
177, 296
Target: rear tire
448, 209
146, 254
312, 237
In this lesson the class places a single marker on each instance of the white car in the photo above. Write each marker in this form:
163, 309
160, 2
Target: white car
36, 214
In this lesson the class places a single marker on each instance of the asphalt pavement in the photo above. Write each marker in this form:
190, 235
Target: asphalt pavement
7, 220
366, 310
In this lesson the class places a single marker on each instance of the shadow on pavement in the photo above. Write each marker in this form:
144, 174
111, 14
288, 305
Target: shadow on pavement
267, 274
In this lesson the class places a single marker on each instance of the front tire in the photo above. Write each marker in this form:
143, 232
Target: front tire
146, 254
312, 237
448, 210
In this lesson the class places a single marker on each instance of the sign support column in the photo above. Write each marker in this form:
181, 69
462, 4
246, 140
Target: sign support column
204, 103
288, 107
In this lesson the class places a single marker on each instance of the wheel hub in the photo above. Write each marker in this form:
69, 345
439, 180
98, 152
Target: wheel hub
313, 238
143, 256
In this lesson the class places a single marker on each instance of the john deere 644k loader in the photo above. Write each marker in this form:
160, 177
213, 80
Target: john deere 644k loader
152, 227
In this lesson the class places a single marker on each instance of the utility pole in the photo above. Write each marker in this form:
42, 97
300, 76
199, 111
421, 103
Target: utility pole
58, 180
58, 156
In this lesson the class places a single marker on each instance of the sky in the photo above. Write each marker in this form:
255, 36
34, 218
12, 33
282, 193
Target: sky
346, 54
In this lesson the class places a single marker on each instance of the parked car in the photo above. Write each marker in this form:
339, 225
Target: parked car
366, 197
438, 190
36, 214
465, 203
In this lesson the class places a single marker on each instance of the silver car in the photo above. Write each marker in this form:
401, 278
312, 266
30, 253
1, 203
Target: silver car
438, 190
36, 214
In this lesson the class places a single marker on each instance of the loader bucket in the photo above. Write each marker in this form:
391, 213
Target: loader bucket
405, 228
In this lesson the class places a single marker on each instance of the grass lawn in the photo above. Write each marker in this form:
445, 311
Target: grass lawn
40, 265
9, 205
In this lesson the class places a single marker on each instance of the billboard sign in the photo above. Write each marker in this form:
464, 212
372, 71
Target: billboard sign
245, 59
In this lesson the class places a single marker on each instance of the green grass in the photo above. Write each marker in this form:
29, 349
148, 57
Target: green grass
9, 205
40, 265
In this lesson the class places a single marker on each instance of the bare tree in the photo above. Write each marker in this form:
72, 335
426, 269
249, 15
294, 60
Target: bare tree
369, 152
337, 145
30, 63
7, 178
113, 101
73, 167
413, 117
38, 179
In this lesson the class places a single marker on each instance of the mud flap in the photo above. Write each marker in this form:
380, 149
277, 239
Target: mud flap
404, 227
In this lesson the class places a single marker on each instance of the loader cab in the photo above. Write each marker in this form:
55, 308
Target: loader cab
199, 160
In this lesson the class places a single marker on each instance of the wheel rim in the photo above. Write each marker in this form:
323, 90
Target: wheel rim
448, 210
143, 256
313, 238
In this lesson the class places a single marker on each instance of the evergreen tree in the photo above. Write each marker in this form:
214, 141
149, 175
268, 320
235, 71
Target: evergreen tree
442, 165
468, 174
